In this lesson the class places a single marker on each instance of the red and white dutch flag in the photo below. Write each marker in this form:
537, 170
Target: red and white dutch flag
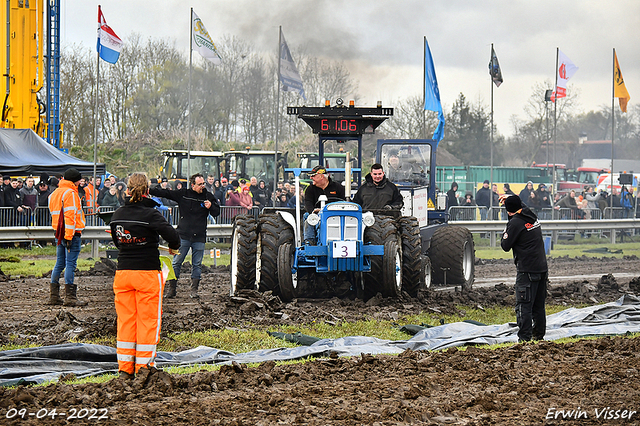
566, 70
109, 44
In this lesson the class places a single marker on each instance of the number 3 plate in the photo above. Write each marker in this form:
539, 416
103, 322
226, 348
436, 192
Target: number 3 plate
344, 249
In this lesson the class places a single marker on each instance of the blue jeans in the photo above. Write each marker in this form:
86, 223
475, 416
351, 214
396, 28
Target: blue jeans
197, 252
309, 232
66, 259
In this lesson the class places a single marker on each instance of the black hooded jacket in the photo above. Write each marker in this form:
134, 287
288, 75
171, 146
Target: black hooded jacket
452, 200
372, 196
524, 236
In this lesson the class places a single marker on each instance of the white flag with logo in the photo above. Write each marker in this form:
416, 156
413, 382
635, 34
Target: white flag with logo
201, 40
566, 70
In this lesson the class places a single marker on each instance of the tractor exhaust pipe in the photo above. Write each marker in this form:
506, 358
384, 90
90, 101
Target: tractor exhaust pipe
347, 176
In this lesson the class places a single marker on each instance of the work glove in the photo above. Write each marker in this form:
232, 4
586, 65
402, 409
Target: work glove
66, 243
387, 207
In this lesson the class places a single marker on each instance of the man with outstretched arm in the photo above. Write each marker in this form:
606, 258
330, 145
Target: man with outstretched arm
523, 235
195, 204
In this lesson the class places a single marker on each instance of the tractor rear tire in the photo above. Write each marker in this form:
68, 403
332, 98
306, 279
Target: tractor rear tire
383, 230
243, 253
286, 253
412, 261
452, 252
391, 270
274, 232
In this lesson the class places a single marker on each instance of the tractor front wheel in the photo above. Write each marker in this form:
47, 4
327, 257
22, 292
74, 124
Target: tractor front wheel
286, 279
243, 253
391, 270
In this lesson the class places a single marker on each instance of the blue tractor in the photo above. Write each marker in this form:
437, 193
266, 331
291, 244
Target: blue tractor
357, 254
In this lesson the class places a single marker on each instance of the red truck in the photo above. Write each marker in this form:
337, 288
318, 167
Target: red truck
578, 179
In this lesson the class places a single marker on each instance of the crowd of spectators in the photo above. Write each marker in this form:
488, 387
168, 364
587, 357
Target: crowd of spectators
587, 204
24, 201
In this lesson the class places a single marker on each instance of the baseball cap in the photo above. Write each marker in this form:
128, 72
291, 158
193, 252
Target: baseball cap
486, 181
164, 179
317, 170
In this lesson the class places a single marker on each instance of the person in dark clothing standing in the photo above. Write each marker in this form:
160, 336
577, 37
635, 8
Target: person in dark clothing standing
195, 204
525, 194
483, 199
218, 192
452, 199
523, 235
42, 211
139, 281
378, 192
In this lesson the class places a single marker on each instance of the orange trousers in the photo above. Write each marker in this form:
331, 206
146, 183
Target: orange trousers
138, 299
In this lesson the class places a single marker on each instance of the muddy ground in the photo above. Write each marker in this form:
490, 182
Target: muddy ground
523, 384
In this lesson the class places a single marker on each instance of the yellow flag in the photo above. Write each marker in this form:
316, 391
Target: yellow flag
620, 90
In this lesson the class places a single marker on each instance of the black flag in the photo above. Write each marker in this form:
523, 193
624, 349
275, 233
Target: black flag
494, 69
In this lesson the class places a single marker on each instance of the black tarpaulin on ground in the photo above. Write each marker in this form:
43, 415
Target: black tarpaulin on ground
37, 365
23, 153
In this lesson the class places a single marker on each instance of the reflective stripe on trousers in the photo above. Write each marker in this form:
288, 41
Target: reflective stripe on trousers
138, 300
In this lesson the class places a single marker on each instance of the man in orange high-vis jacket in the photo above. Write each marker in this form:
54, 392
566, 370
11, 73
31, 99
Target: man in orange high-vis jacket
136, 229
89, 196
66, 201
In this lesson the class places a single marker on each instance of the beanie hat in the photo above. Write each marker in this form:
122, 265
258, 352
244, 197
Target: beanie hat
513, 203
72, 175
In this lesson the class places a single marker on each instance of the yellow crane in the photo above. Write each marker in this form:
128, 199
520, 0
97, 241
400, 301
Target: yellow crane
22, 65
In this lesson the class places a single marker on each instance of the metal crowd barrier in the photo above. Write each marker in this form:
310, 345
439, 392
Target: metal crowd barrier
227, 213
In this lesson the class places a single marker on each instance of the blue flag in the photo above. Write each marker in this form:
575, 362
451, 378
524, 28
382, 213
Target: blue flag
431, 91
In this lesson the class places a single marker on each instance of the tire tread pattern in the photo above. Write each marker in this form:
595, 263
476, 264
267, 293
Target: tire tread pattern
447, 251
274, 232
384, 229
412, 267
246, 228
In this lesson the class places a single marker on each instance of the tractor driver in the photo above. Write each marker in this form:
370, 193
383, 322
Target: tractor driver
396, 170
378, 192
322, 185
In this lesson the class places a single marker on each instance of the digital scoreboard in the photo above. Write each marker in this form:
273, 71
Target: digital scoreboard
340, 120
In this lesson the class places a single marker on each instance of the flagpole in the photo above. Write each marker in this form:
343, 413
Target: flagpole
275, 155
555, 130
189, 102
94, 243
491, 138
424, 87
613, 114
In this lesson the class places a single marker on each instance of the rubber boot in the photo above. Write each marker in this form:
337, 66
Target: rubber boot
195, 283
71, 298
171, 289
54, 297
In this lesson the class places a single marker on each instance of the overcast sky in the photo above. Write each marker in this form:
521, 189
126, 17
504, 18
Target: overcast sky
381, 41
